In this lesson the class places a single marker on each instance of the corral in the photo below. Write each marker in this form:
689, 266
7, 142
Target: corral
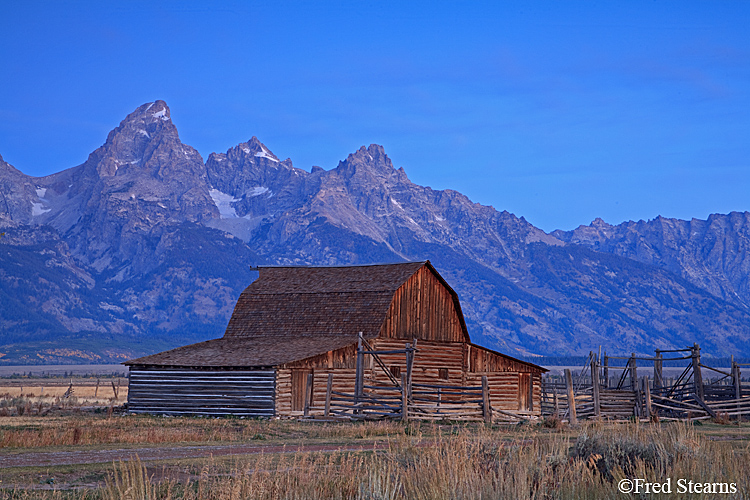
357, 342
602, 390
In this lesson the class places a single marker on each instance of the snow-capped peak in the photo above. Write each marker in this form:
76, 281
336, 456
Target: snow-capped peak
263, 153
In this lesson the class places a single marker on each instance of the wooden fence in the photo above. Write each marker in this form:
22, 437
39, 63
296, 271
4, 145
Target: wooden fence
594, 393
404, 399
410, 402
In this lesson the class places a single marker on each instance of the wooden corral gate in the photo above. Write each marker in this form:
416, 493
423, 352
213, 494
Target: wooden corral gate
690, 396
402, 398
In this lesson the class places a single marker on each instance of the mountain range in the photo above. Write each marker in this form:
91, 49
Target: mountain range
147, 246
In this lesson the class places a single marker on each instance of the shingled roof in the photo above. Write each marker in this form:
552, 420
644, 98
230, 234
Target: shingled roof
292, 313
289, 302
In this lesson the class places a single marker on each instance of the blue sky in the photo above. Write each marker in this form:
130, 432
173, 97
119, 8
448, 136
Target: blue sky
560, 112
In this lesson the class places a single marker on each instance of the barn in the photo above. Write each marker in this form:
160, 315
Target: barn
294, 326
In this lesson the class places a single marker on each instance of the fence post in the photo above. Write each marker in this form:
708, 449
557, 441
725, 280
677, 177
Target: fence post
358, 375
595, 386
736, 380
633, 372
697, 375
647, 393
410, 348
329, 389
404, 399
571, 397
308, 394
556, 402
606, 371
487, 409
658, 380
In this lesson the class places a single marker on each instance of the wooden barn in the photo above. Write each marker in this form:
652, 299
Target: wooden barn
294, 326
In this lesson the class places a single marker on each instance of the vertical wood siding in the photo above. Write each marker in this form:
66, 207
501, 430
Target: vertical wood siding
248, 393
423, 308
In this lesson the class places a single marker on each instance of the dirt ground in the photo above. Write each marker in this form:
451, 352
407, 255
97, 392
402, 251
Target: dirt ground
47, 459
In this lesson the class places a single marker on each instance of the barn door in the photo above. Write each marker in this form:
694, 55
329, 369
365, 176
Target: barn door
299, 386
524, 392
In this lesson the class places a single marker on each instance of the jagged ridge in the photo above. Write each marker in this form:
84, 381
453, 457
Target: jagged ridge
164, 243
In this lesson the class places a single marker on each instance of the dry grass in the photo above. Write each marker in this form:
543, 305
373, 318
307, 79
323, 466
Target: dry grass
468, 465
459, 463
34, 432
51, 391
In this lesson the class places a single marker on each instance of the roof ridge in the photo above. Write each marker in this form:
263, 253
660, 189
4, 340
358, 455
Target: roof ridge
346, 267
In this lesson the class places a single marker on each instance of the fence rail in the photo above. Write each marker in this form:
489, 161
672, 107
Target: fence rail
429, 402
689, 396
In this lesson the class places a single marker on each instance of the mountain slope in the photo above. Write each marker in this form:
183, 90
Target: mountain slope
144, 246
712, 254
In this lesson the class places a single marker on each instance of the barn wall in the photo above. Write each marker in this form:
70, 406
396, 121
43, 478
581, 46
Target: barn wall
432, 361
484, 360
423, 308
212, 392
343, 381
429, 359
503, 377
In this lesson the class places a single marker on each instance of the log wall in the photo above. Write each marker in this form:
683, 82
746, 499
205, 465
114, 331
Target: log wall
248, 393
441, 363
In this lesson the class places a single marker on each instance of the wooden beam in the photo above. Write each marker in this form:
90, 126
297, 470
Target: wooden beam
658, 380
595, 387
486, 408
359, 370
404, 399
704, 406
555, 401
308, 394
329, 388
647, 393
697, 375
571, 397
737, 382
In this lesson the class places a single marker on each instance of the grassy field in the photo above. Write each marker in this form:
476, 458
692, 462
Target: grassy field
17, 396
419, 461
284, 459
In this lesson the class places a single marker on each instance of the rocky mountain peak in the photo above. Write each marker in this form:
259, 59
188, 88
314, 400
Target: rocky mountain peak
147, 120
131, 145
257, 149
372, 160
600, 224
8, 169
17, 195
249, 166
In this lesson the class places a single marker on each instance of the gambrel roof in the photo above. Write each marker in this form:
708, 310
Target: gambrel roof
292, 313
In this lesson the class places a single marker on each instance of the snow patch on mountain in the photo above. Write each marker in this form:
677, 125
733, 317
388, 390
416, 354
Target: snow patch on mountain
223, 202
263, 153
38, 209
161, 114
